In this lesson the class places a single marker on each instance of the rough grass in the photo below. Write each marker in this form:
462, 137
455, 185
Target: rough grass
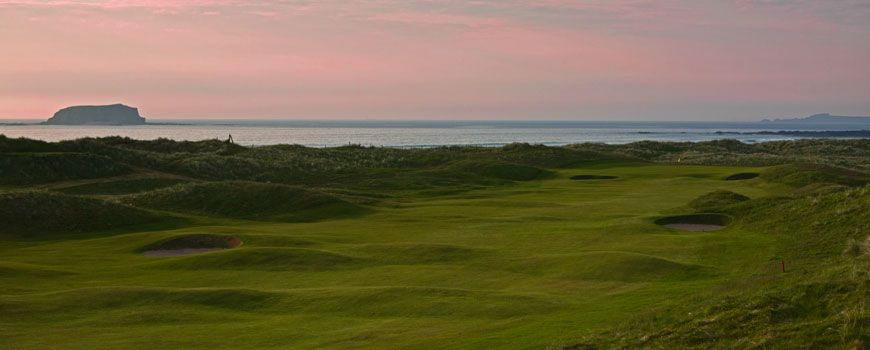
268, 259
610, 266
35, 214
851, 154
35, 168
799, 175
716, 199
194, 241
248, 200
700, 219
503, 170
741, 176
820, 303
121, 186
592, 177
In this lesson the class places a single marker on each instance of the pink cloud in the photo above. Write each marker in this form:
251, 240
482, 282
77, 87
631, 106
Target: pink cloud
435, 18
263, 13
486, 58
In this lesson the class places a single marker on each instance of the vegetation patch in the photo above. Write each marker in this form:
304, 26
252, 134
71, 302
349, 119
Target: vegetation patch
420, 253
592, 177
37, 213
191, 244
609, 266
695, 222
249, 200
503, 170
36, 168
741, 176
122, 186
716, 199
800, 175
267, 259
12, 270
87, 300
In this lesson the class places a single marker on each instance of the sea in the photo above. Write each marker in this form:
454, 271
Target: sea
420, 134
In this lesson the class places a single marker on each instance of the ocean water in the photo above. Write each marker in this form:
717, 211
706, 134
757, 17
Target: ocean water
409, 134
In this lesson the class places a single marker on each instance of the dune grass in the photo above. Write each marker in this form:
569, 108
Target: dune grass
46, 215
121, 186
248, 200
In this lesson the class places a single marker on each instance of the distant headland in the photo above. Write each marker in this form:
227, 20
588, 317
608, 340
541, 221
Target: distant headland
821, 118
116, 114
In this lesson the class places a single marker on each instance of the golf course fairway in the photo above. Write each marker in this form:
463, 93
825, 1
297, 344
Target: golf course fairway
537, 262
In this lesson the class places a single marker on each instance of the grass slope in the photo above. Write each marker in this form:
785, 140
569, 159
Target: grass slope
121, 186
35, 168
715, 199
37, 214
248, 200
819, 303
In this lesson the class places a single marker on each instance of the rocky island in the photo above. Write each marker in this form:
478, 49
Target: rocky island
116, 114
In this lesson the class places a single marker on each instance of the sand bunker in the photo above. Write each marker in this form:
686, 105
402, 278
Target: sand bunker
697, 222
192, 244
742, 176
592, 177
179, 252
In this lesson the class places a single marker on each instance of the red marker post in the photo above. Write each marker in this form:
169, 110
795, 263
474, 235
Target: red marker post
783, 266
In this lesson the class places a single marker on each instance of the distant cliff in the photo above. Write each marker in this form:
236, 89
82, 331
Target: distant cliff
822, 118
116, 114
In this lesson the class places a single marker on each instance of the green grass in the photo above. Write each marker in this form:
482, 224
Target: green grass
716, 199
195, 241
414, 249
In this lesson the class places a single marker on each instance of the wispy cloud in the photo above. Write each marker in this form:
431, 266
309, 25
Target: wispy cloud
400, 56
434, 18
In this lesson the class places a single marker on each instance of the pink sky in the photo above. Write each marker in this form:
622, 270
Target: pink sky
438, 59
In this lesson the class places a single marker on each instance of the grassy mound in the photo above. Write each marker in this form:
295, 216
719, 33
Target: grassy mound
717, 199
553, 157
592, 177
22, 144
819, 303
609, 266
12, 270
802, 175
121, 305
35, 214
420, 253
502, 170
122, 186
248, 200
695, 219
34, 168
405, 301
107, 298
741, 176
266, 259
196, 241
